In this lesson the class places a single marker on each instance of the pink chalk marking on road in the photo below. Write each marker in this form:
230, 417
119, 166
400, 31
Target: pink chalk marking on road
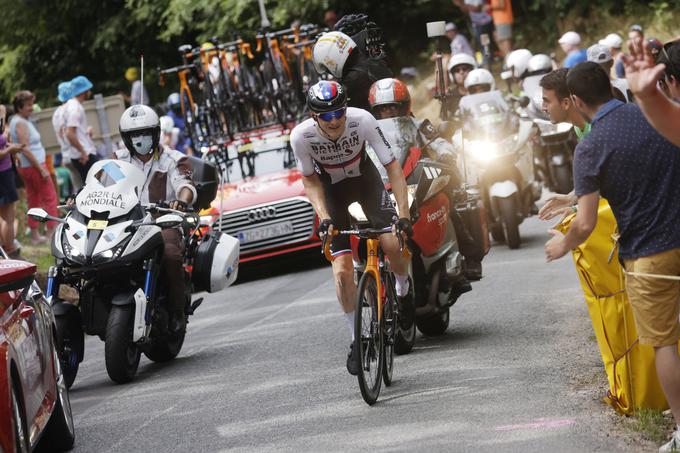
539, 423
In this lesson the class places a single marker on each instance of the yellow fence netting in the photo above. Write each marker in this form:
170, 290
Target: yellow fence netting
633, 382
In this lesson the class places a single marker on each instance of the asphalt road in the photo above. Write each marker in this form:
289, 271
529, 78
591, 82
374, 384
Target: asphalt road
263, 369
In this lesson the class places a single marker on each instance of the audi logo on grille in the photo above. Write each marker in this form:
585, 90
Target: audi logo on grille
265, 213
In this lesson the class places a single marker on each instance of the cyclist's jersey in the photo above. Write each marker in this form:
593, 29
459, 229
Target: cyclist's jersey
342, 158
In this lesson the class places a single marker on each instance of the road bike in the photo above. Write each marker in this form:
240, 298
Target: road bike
376, 313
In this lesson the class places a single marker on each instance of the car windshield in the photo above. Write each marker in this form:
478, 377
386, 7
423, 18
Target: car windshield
248, 163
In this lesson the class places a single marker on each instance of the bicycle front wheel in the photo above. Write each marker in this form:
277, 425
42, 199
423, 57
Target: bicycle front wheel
369, 339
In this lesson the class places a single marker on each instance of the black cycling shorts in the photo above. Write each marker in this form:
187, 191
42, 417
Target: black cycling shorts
368, 190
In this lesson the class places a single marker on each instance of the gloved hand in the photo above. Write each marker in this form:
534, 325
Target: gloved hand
178, 205
404, 224
324, 226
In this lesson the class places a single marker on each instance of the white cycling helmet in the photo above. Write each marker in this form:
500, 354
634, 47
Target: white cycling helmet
331, 52
480, 77
140, 129
461, 58
517, 61
539, 64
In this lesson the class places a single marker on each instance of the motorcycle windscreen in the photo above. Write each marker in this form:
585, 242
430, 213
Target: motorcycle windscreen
487, 116
113, 187
402, 135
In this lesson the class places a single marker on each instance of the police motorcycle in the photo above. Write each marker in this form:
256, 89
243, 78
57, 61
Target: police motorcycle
494, 143
108, 248
554, 144
437, 272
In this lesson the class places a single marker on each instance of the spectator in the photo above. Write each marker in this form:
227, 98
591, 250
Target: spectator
459, 44
169, 133
459, 67
59, 126
175, 112
138, 94
571, 45
482, 22
670, 82
597, 53
643, 76
636, 34
39, 186
330, 18
8, 190
501, 12
642, 191
81, 150
614, 42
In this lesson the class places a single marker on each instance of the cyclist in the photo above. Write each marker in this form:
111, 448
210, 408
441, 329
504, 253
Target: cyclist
337, 54
168, 179
330, 149
389, 98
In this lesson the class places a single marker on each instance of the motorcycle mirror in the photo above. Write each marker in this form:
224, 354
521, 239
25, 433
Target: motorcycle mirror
38, 214
169, 220
524, 101
506, 75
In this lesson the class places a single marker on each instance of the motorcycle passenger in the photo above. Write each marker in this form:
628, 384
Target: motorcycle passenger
337, 54
390, 98
479, 81
337, 171
168, 179
459, 67
516, 63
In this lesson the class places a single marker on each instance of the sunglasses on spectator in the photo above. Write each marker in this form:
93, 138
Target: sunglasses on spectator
330, 116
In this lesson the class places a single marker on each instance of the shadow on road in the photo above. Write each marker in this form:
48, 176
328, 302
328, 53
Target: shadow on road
277, 266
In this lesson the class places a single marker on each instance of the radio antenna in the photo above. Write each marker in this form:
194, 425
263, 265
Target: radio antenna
141, 79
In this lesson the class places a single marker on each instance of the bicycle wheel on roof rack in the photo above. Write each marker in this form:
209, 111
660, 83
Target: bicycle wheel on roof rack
275, 93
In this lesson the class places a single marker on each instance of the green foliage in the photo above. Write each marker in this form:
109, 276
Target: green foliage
47, 41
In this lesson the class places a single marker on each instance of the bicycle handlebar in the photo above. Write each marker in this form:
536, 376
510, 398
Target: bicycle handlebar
365, 233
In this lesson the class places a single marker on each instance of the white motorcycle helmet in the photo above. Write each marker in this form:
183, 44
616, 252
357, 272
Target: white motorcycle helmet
539, 64
480, 78
140, 129
517, 62
461, 58
331, 52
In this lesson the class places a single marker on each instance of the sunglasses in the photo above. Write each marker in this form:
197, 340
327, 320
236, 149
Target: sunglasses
330, 116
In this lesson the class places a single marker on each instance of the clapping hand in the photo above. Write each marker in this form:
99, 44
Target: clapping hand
641, 72
557, 205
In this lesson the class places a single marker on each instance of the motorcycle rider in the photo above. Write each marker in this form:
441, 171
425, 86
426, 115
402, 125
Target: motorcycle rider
330, 150
479, 81
390, 98
459, 67
337, 54
516, 63
168, 179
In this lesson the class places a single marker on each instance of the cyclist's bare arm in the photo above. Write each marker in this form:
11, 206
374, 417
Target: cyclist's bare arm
314, 191
398, 182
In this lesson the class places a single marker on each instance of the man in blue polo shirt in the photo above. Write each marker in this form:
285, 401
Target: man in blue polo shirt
626, 161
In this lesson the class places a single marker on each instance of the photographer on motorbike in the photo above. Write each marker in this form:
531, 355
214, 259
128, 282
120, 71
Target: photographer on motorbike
337, 54
390, 98
330, 148
168, 179
479, 81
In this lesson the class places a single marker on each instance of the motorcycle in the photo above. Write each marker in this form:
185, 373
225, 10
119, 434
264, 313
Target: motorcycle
495, 146
109, 248
553, 145
437, 264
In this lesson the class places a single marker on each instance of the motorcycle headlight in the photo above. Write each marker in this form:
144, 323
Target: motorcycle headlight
482, 150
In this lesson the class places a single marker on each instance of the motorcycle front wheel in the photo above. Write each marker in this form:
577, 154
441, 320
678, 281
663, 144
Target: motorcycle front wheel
120, 353
71, 344
433, 325
165, 349
507, 207
564, 181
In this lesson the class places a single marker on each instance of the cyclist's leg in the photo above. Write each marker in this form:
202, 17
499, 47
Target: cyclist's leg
379, 209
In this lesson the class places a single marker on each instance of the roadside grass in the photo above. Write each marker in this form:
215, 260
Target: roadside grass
654, 425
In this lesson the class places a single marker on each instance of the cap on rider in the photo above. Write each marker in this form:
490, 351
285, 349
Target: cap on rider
389, 98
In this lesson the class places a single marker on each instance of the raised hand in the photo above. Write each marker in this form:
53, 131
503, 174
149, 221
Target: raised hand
641, 72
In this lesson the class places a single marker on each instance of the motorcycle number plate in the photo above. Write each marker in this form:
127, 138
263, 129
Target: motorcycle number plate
97, 224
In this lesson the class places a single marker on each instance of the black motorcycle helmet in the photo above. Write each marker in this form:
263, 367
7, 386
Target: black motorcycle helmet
326, 96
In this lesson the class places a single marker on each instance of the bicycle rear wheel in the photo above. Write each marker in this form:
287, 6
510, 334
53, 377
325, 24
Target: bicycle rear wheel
389, 326
369, 339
